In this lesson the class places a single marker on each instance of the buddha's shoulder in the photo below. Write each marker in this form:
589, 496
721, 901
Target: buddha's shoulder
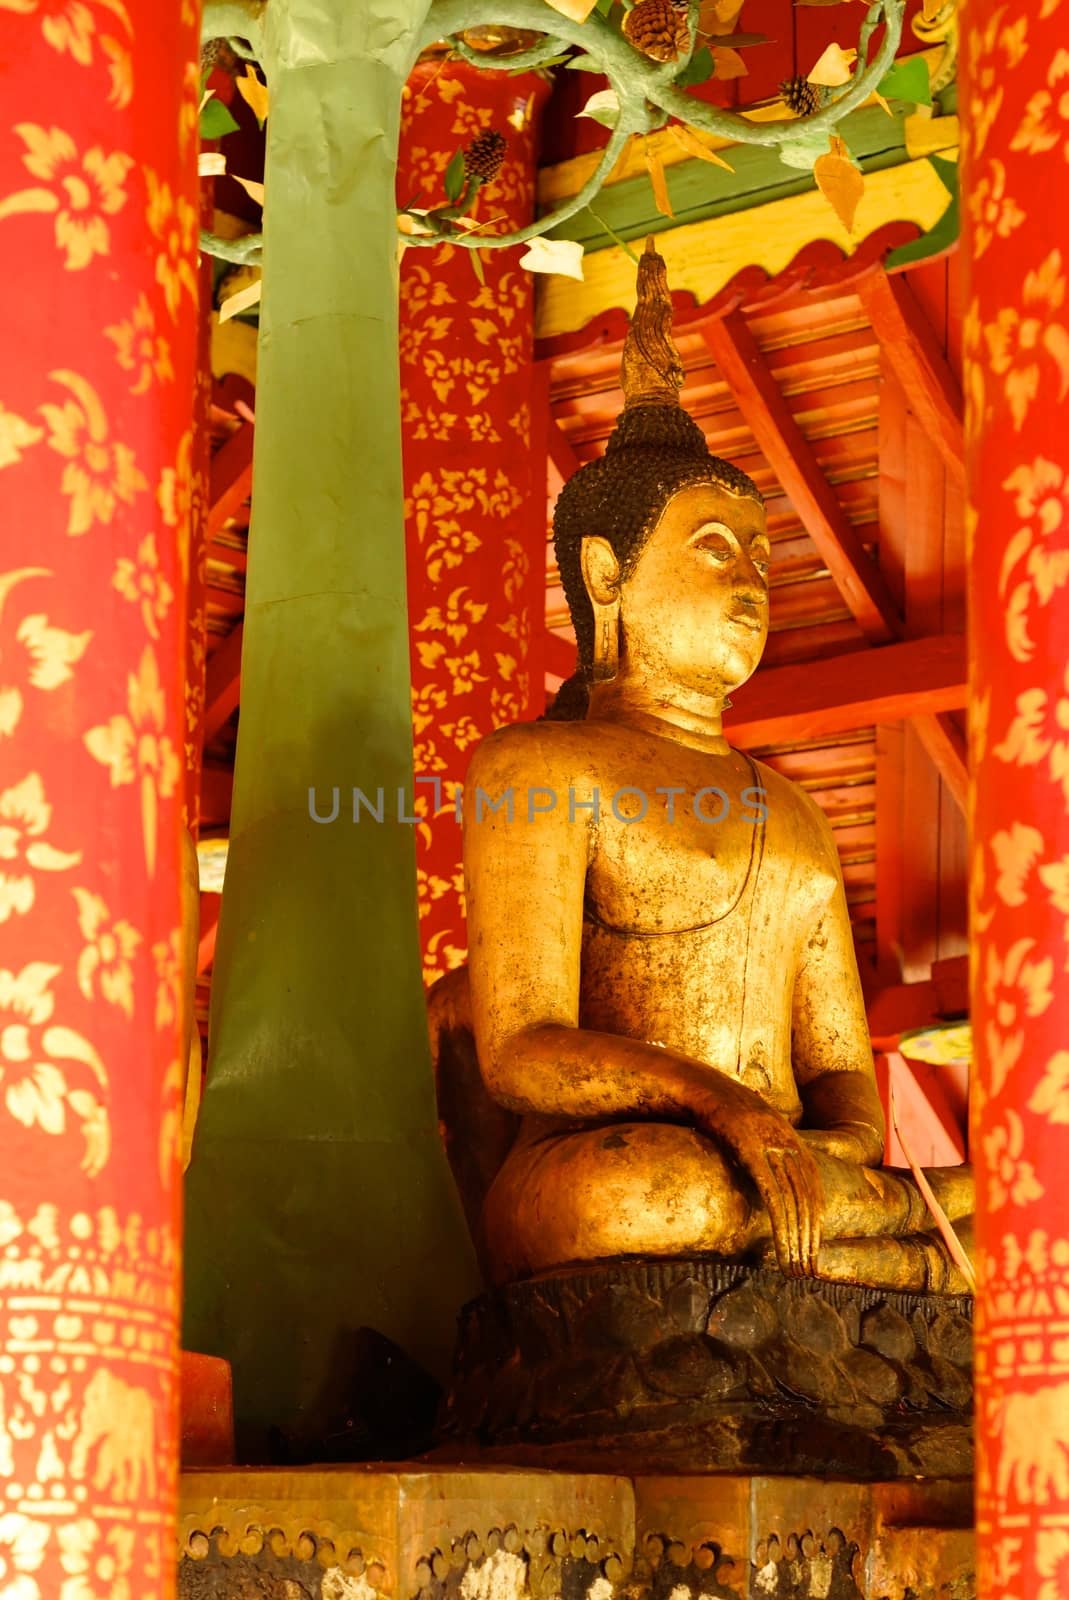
535, 750
790, 799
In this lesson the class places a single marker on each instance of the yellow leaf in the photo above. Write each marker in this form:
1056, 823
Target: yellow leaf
877, 99
249, 296
211, 164
694, 146
718, 16
574, 10
205, 97
254, 190
254, 93
833, 68
841, 184
728, 63
658, 182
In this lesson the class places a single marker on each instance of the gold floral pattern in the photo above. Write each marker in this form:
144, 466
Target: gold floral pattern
140, 349
39, 1060
172, 219
43, 656
135, 746
142, 582
25, 815
71, 26
995, 214
100, 473
1019, 338
84, 191
105, 961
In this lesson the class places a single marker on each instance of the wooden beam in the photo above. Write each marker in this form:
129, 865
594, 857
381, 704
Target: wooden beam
945, 744
230, 478
787, 452
561, 454
222, 682
785, 704
914, 354
216, 788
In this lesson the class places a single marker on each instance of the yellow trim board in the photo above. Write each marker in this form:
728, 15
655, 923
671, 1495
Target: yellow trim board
702, 257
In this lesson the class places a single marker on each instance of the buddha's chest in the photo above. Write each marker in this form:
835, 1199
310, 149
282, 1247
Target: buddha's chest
675, 857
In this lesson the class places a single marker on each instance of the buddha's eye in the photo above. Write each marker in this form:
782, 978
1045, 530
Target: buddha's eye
761, 560
715, 545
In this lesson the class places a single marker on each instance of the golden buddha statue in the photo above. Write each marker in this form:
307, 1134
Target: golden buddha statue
663, 985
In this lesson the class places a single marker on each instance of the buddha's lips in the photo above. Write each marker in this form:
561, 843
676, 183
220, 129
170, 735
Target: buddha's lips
747, 619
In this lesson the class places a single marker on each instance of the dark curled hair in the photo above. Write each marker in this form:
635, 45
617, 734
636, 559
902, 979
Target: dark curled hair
654, 451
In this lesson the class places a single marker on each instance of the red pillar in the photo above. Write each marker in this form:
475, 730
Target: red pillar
1017, 378
475, 474
98, 198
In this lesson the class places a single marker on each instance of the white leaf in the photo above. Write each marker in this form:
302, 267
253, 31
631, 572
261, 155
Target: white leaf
254, 190
211, 164
564, 256
603, 107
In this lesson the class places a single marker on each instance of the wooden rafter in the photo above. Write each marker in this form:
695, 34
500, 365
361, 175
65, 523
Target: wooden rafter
222, 683
787, 452
945, 744
913, 678
912, 351
231, 478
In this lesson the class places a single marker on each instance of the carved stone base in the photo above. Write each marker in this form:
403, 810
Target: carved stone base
700, 1365
351, 1533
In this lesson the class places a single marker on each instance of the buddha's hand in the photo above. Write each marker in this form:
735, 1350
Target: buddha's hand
788, 1180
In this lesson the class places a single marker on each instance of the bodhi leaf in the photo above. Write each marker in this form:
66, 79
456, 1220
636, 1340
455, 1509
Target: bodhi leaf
581, 64
699, 69
564, 256
242, 301
215, 120
211, 164
908, 80
834, 68
603, 107
693, 145
716, 17
658, 182
254, 190
574, 10
454, 178
728, 64
254, 93
840, 182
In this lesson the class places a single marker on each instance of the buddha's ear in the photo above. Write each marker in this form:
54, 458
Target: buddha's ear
601, 570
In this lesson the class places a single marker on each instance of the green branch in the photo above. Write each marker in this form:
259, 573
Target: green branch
647, 93
244, 252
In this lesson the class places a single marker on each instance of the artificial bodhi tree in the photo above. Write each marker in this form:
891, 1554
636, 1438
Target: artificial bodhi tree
318, 1200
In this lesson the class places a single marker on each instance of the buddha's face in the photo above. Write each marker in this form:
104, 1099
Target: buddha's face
695, 608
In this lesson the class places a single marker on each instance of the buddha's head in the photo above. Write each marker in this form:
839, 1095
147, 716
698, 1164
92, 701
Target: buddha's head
662, 547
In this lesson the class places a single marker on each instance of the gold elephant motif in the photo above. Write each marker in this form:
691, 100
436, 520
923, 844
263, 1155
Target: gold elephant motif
118, 1421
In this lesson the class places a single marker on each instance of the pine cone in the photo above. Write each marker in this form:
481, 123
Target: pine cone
658, 29
801, 95
485, 155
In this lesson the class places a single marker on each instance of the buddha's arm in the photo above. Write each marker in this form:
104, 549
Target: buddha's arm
830, 1043
525, 883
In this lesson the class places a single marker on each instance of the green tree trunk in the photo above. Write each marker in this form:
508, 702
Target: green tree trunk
319, 1202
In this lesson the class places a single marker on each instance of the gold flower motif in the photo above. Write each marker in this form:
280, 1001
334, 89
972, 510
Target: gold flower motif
97, 1560
1040, 730
40, 1097
69, 25
1015, 341
134, 746
427, 701
465, 672
1046, 117
1009, 1178
1050, 1098
1016, 851
1041, 492
51, 651
463, 733
449, 548
143, 583
425, 758
99, 472
173, 221
167, 955
175, 496
994, 215
481, 427
507, 706
1052, 1563
25, 815
429, 887
140, 349
85, 191
469, 119
450, 619
189, 109
16, 435
106, 956
420, 291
